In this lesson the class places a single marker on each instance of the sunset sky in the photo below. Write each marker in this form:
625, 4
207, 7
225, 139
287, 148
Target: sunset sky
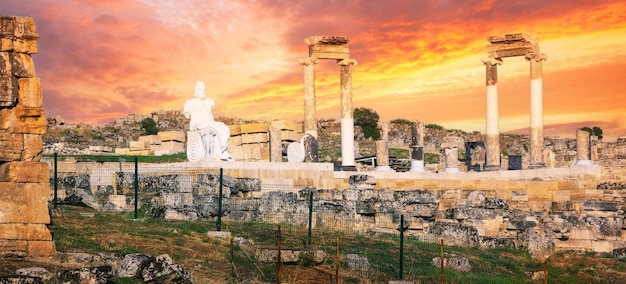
419, 60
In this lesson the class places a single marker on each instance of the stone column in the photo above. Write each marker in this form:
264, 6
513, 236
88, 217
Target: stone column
583, 148
310, 116
417, 147
276, 145
347, 120
536, 112
382, 157
451, 160
492, 131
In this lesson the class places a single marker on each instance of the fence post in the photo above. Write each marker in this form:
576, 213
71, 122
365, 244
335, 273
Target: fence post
401, 246
280, 260
219, 202
54, 201
337, 263
310, 216
441, 256
136, 184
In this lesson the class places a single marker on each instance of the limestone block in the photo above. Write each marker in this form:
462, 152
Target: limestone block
33, 148
41, 249
172, 136
290, 136
254, 128
13, 249
169, 145
8, 91
122, 151
138, 145
602, 246
234, 130
67, 166
17, 30
234, 141
140, 153
24, 172
252, 138
22, 65
151, 139
23, 120
34, 232
24, 202
5, 66
29, 92
12, 146
329, 51
288, 125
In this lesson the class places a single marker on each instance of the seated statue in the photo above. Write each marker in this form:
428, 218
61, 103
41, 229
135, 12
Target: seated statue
214, 135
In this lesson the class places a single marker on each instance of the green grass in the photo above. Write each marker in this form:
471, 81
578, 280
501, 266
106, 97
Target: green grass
186, 242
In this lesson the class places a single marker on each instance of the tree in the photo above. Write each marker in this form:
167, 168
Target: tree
595, 131
367, 119
149, 126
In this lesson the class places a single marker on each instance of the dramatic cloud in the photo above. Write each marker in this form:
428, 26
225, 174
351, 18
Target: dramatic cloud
99, 60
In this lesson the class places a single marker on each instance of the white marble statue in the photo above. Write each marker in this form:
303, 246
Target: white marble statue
214, 135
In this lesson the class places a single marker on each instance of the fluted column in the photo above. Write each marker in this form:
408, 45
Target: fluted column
583, 148
347, 119
310, 116
492, 131
536, 112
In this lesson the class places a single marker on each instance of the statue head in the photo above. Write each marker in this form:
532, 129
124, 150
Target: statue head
199, 90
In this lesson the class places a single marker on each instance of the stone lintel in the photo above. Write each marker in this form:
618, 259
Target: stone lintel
329, 51
328, 47
329, 40
510, 45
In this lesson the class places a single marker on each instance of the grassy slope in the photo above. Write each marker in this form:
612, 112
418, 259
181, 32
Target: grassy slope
208, 259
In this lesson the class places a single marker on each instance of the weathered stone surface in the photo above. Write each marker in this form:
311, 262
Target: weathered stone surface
357, 262
23, 120
12, 146
270, 255
24, 231
162, 270
33, 148
39, 272
22, 65
29, 94
13, 249
18, 34
24, 172
24, 202
362, 182
41, 249
92, 275
20, 279
132, 264
453, 262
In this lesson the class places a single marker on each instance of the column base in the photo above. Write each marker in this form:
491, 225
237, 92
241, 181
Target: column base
384, 169
417, 166
537, 166
348, 168
451, 170
583, 163
492, 168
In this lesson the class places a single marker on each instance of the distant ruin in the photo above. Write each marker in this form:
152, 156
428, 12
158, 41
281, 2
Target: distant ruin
24, 180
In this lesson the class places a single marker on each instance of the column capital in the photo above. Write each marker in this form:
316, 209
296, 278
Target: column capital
346, 62
308, 61
492, 61
537, 57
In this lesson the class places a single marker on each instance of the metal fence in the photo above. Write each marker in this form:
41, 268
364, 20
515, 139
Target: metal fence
284, 220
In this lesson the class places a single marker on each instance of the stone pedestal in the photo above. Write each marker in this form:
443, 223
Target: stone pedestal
382, 157
451, 160
583, 148
24, 180
276, 145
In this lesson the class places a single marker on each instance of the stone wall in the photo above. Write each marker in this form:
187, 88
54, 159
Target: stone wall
543, 210
23, 178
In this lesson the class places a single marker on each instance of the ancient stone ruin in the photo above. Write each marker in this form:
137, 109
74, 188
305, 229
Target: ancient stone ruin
24, 180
